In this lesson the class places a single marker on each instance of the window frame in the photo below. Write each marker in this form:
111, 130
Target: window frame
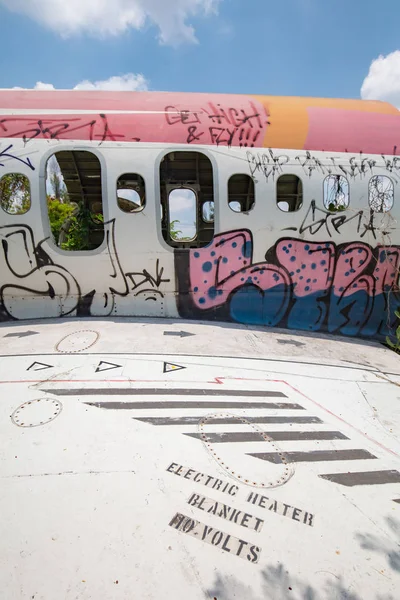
241, 212
202, 211
189, 188
71, 147
142, 208
157, 188
323, 193
30, 195
276, 193
380, 212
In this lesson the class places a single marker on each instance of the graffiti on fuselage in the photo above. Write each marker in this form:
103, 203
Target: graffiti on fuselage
35, 286
349, 289
31, 273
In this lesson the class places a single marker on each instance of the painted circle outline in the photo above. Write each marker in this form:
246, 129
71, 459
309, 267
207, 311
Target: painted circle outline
27, 403
74, 333
289, 466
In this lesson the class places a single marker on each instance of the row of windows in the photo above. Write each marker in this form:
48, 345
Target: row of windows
74, 197
336, 193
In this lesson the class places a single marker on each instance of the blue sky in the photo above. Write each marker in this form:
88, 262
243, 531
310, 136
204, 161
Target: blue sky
340, 48
290, 47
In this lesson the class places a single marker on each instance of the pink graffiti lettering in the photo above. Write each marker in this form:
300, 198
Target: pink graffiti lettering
352, 289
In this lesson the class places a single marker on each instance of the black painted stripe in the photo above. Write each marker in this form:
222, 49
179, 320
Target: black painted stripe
278, 436
193, 404
162, 392
315, 456
363, 478
225, 420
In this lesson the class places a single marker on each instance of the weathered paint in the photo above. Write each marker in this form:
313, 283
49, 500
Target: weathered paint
98, 502
350, 289
337, 125
310, 269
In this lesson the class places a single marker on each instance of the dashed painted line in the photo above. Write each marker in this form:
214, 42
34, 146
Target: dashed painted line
191, 404
226, 420
278, 436
363, 478
315, 455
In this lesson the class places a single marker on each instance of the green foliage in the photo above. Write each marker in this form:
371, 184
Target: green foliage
15, 195
78, 236
395, 346
336, 207
58, 213
73, 223
175, 233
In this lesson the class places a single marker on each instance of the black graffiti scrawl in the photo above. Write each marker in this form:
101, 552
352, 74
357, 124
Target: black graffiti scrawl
35, 286
51, 288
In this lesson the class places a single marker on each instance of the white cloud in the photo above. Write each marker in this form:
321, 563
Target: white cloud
123, 83
44, 86
383, 79
113, 17
182, 200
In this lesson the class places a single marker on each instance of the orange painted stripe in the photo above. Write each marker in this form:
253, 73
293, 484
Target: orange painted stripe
289, 116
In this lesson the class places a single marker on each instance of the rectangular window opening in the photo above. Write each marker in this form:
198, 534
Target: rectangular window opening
74, 200
336, 193
15, 193
131, 193
187, 199
241, 194
380, 193
289, 193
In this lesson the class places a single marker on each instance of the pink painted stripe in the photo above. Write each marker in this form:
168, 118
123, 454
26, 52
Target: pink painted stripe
145, 127
341, 130
163, 118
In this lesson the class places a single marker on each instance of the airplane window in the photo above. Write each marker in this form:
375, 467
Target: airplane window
336, 193
74, 200
187, 199
289, 193
15, 194
182, 214
208, 212
131, 196
380, 193
241, 197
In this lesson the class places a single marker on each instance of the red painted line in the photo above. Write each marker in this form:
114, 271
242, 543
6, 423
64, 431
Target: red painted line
89, 381
217, 381
319, 406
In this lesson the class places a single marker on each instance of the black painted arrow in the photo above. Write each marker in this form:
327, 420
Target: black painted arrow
38, 366
291, 342
179, 333
106, 366
22, 334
